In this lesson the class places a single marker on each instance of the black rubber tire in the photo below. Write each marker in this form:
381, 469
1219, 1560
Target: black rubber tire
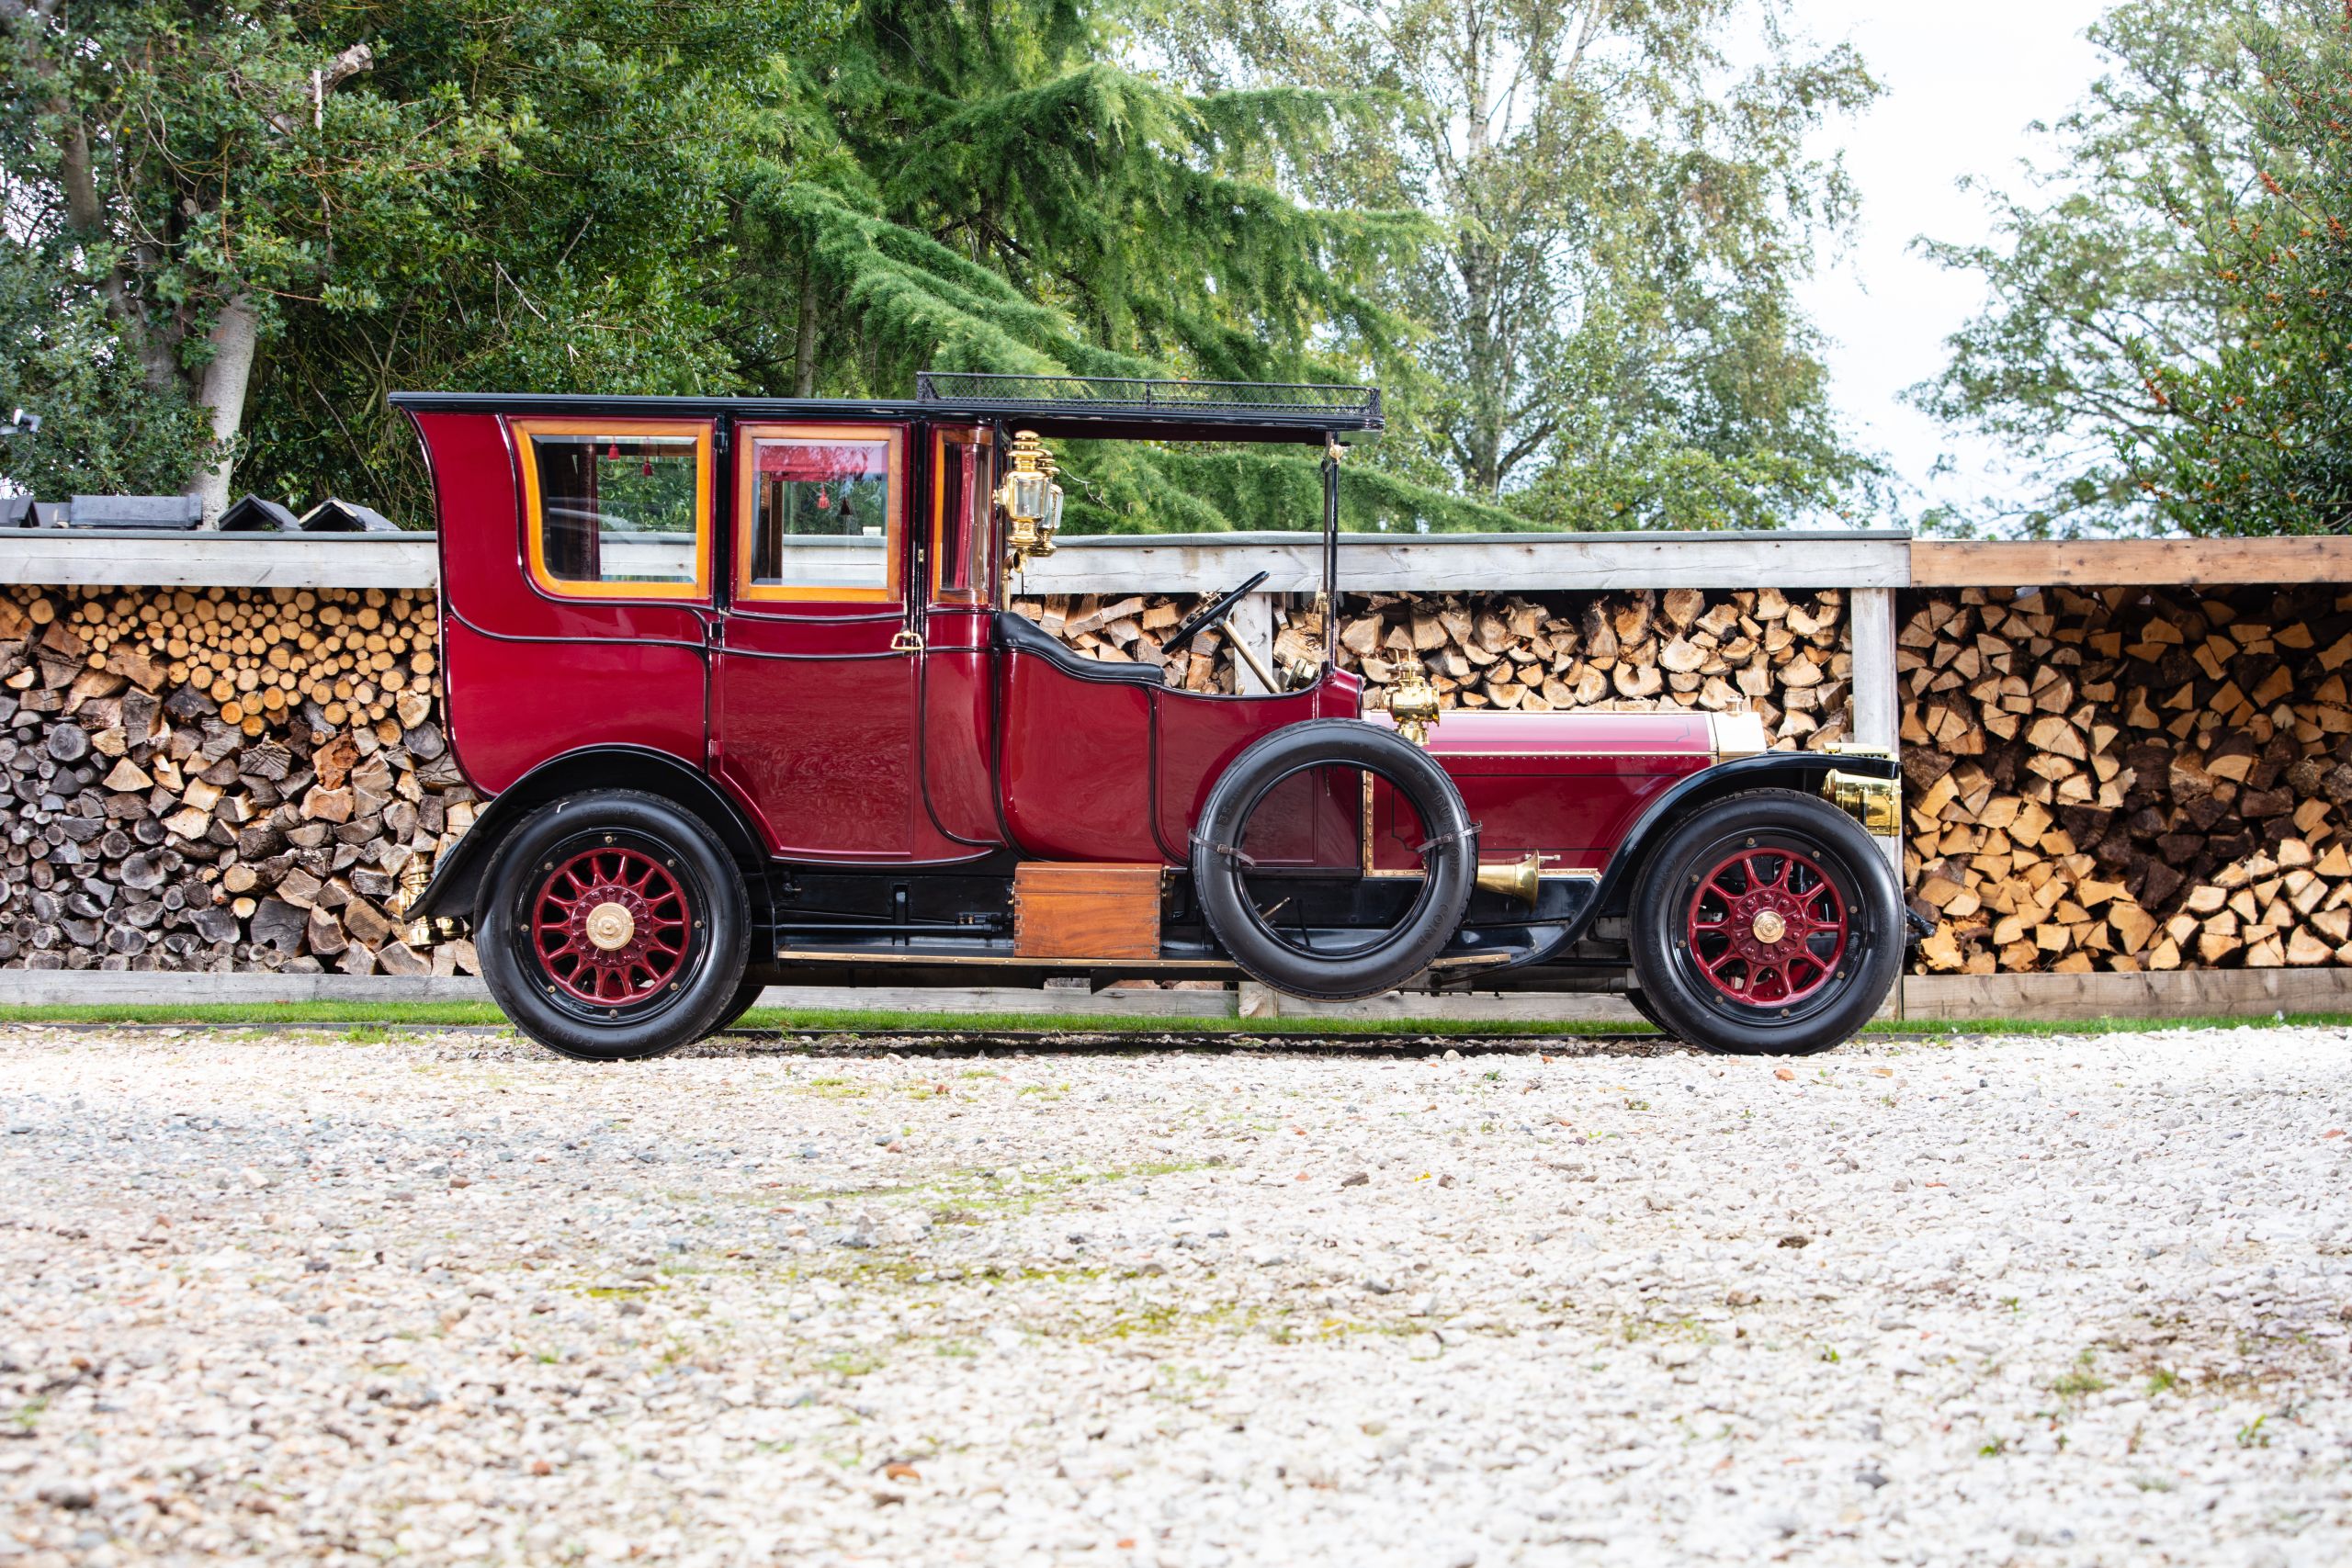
746, 995
1446, 894
719, 914
1642, 1005
1678, 996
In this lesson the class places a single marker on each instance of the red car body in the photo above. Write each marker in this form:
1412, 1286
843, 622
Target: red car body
880, 759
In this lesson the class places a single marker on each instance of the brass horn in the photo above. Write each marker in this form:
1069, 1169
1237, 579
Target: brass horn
1520, 879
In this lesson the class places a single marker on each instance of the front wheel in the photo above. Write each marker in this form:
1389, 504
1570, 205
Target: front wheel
1767, 924
616, 927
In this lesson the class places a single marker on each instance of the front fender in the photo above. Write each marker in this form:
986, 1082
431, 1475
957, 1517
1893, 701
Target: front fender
456, 880
1802, 770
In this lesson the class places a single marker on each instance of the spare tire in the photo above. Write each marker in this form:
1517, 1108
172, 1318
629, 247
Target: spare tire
1377, 960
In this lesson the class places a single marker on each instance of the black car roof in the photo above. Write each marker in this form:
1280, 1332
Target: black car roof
1052, 405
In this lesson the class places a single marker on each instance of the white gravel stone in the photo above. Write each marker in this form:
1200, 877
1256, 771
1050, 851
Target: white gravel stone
2067, 1301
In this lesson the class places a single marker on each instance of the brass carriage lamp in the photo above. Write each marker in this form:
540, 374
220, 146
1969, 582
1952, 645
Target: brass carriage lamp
1414, 703
1030, 500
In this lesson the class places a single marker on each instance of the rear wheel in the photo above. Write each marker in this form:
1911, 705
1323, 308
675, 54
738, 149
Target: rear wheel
1768, 923
614, 927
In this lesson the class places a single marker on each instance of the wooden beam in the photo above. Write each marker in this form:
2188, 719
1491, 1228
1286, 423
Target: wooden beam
2178, 993
1877, 701
1475, 562
2105, 563
60, 558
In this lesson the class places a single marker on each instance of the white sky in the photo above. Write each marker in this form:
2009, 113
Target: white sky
1961, 85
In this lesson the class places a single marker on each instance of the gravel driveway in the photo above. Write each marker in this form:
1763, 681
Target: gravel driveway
443, 1297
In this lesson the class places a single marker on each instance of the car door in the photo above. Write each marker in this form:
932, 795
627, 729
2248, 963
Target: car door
815, 713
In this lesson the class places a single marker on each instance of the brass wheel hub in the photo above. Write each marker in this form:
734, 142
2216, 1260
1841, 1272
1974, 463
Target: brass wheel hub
610, 926
1770, 927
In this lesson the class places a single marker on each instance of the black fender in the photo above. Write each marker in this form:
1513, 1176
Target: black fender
456, 881
1802, 771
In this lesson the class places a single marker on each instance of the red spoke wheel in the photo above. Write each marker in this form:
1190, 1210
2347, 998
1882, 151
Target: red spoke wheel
614, 926
1767, 927
610, 926
1767, 922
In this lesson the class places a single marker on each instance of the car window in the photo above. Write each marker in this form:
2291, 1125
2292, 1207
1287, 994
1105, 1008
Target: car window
821, 521
618, 510
965, 513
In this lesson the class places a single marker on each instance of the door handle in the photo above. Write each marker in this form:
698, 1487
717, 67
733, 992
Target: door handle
906, 641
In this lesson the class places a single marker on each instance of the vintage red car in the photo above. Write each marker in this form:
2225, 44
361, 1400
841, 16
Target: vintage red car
740, 681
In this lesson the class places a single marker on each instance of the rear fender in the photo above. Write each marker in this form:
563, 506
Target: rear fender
1802, 771
456, 881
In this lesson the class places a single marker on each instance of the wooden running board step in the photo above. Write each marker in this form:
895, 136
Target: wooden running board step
1081, 909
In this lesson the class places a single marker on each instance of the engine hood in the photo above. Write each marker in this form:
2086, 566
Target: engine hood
1566, 787
1468, 734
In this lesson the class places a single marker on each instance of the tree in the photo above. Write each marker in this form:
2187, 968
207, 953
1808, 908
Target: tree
1618, 223
598, 254
979, 188
2259, 440
188, 169
2133, 357
654, 196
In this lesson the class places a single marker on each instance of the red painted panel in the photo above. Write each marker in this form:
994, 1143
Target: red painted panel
1487, 731
823, 744
1304, 823
957, 729
1076, 770
1568, 786
508, 709
514, 706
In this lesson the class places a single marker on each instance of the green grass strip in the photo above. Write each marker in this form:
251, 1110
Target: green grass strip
356, 1014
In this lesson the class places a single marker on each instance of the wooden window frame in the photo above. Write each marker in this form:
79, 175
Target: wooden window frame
534, 529
747, 515
979, 592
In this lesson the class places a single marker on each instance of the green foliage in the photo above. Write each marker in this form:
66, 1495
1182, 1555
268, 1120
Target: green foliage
2163, 349
976, 187
213, 262
185, 171
1617, 221
2259, 441
101, 431
596, 254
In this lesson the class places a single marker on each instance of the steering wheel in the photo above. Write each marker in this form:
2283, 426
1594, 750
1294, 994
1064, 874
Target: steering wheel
1202, 620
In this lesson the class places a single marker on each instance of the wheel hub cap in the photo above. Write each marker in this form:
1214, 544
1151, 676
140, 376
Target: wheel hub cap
1767, 927
610, 926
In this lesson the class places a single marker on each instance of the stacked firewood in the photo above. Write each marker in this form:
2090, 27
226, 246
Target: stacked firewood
213, 779
1130, 628
1781, 656
2127, 780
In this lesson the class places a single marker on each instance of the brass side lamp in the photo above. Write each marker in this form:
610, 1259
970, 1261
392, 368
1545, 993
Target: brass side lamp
1031, 500
1415, 703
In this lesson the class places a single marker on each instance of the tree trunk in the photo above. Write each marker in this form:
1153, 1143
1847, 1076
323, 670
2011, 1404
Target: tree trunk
221, 393
804, 350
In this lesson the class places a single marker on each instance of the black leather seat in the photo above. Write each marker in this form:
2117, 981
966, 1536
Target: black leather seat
1016, 633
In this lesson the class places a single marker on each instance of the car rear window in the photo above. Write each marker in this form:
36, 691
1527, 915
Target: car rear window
618, 509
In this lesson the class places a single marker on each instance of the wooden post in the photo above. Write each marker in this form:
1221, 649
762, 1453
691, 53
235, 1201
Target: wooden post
1254, 626
1877, 708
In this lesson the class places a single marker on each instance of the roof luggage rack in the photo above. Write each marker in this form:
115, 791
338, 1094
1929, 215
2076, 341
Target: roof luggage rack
974, 388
